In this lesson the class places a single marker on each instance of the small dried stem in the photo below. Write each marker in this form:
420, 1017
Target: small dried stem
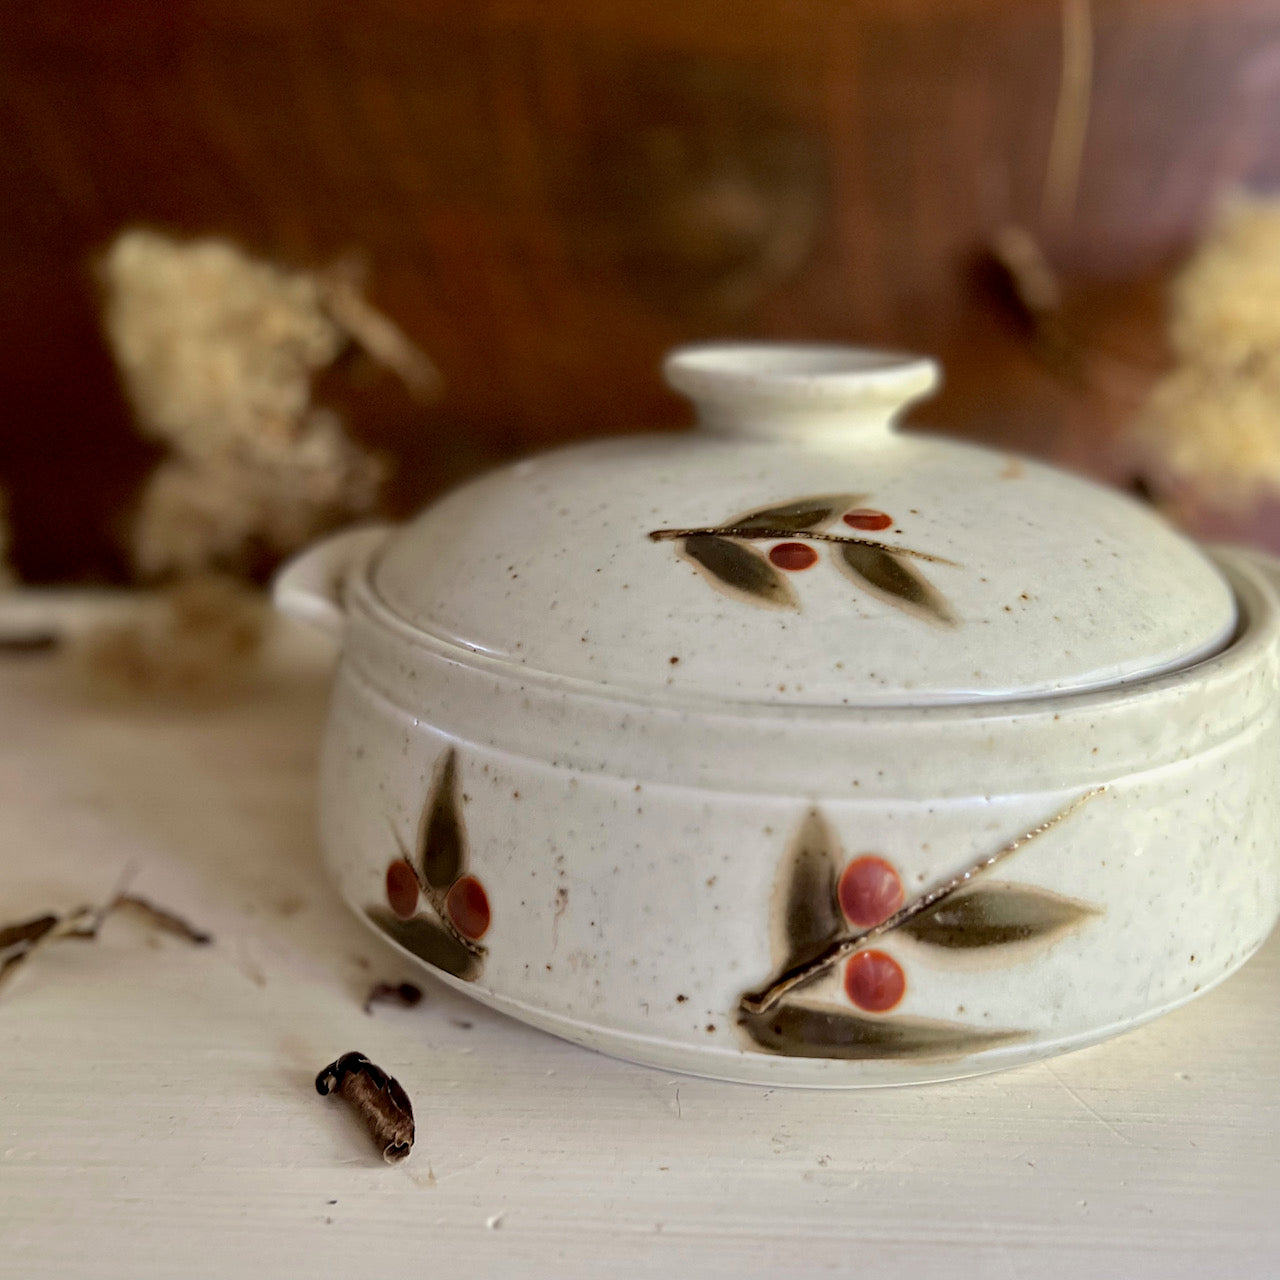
807, 535
39, 933
23, 642
1070, 117
161, 918
762, 1001
22, 940
27, 931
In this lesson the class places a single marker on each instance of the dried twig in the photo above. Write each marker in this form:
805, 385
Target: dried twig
161, 918
377, 1098
20, 941
1071, 116
22, 642
341, 290
27, 931
1032, 289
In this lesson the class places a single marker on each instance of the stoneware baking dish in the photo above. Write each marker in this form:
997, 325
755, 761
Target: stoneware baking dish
798, 749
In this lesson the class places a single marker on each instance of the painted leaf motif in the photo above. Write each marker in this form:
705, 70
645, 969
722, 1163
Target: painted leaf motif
800, 1030
740, 569
429, 941
807, 914
891, 579
995, 915
803, 513
442, 839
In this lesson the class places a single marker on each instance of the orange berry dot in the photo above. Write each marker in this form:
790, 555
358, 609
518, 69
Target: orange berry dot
865, 518
468, 907
402, 889
793, 556
874, 981
869, 891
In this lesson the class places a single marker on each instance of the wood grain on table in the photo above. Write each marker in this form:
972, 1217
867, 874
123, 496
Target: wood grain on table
158, 1117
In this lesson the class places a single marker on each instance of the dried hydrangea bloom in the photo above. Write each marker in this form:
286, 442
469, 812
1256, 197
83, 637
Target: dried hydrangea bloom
217, 352
231, 509
215, 348
1217, 430
1210, 425
1224, 302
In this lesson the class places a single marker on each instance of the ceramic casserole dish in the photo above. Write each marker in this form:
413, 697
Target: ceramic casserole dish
799, 749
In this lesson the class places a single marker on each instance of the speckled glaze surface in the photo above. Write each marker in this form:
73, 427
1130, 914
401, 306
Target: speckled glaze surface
865, 866
1020, 580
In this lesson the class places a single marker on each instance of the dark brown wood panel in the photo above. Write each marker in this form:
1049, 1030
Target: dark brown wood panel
550, 192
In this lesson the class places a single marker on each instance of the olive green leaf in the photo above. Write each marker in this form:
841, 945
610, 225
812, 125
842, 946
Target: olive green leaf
442, 838
793, 517
801, 1030
893, 580
806, 911
742, 570
997, 914
428, 941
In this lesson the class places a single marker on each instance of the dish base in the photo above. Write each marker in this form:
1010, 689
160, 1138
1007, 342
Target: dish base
744, 1066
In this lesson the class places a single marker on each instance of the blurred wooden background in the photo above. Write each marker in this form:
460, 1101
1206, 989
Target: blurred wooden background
548, 193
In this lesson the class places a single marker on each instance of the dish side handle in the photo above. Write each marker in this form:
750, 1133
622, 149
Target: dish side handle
310, 586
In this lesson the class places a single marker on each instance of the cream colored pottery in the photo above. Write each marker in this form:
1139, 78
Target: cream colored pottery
797, 749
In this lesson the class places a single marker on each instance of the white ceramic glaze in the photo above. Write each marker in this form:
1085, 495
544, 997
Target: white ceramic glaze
651, 849
1048, 582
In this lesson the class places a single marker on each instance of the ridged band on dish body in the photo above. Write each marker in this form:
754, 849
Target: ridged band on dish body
632, 851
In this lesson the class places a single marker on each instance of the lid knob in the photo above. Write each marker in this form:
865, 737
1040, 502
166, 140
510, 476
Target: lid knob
798, 391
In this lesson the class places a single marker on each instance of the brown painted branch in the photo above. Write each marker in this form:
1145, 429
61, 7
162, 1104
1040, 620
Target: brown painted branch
772, 535
839, 948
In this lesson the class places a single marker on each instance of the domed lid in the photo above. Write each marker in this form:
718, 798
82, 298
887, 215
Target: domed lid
796, 549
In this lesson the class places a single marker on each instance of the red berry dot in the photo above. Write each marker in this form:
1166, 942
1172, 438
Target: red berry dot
402, 889
793, 555
468, 907
874, 981
869, 891
865, 518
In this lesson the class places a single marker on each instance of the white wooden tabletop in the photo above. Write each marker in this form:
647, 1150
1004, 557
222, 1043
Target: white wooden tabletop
158, 1117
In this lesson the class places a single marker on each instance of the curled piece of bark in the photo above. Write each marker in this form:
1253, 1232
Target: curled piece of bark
377, 1098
